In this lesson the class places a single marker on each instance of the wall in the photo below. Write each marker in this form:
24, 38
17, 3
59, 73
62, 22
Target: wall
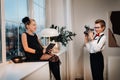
85, 12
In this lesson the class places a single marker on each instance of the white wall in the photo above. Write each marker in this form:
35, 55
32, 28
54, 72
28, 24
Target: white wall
85, 12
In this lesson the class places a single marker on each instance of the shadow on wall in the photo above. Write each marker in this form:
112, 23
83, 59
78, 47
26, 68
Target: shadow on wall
112, 39
115, 20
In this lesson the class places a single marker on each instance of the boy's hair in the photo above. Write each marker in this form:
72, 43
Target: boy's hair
102, 22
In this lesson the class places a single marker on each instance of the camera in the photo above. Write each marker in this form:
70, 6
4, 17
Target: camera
87, 30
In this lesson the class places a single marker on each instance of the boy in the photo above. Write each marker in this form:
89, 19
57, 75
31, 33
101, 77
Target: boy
95, 45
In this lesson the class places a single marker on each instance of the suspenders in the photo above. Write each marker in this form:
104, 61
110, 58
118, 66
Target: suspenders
100, 38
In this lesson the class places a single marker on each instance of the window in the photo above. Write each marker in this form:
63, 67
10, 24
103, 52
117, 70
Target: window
0, 37
15, 10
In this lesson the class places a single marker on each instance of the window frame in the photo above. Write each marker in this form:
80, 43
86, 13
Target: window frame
3, 32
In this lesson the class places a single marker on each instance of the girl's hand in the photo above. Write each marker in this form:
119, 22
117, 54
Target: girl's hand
44, 50
50, 51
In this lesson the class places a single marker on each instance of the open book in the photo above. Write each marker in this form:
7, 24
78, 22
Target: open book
50, 46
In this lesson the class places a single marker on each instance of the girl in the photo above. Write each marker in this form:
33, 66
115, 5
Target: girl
34, 50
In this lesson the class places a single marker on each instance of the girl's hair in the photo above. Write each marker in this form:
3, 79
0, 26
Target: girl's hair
102, 22
27, 20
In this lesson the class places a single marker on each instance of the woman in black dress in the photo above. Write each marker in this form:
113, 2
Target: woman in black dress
34, 50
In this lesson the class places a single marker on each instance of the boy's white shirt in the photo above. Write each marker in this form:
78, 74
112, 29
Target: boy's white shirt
93, 46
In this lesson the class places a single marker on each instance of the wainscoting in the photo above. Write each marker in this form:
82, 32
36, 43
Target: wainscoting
114, 68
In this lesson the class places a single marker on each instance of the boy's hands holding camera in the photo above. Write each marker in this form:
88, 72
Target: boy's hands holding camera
90, 35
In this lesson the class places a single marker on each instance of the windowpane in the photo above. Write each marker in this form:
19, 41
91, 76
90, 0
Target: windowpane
41, 3
15, 10
36, 14
11, 10
42, 16
22, 7
11, 39
36, 1
39, 15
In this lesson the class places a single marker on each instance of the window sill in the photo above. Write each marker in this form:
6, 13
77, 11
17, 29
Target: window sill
12, 71
18, 71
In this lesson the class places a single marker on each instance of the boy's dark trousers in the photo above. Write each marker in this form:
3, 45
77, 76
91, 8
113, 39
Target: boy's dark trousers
97, 65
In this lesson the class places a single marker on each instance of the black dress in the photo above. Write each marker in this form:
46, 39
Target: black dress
32, 41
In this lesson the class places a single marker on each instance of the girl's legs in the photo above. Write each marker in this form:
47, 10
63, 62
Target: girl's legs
45, 57
53, 64
55, 69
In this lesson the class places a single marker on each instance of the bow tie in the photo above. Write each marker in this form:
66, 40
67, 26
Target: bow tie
98, 34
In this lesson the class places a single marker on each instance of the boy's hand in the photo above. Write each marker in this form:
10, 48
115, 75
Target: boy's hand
91, 35
86, 39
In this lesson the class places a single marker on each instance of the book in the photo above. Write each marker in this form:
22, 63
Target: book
50, 46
